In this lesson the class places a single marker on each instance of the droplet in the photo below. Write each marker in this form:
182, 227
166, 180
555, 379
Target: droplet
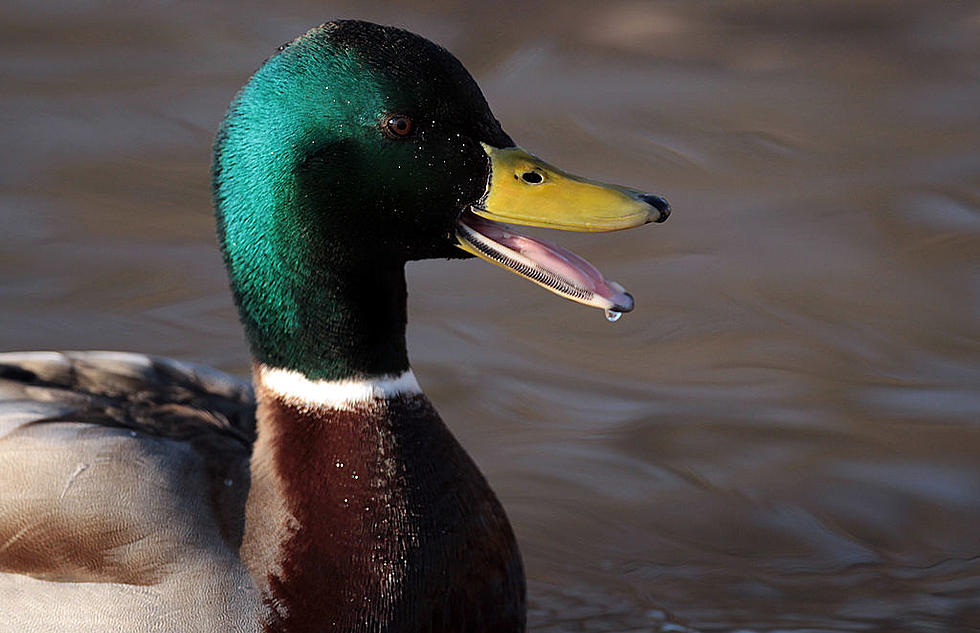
612, 316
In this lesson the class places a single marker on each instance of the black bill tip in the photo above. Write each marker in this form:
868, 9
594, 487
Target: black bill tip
628, 305
657, 203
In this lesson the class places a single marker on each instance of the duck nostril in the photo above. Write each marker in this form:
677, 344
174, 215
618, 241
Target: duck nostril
532, 178
657, 203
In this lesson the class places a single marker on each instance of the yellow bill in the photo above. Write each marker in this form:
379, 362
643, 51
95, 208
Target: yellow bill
523, 189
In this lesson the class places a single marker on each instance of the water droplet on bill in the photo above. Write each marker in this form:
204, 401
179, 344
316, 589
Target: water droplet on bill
612, 316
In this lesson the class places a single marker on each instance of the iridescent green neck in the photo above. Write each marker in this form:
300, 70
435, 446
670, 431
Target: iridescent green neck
327, 322
308, 300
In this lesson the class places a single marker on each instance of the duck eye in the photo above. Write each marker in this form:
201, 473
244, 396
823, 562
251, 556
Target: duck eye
398, 126
532, 178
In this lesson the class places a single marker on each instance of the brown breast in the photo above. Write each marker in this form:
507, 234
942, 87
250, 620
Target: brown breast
384, 524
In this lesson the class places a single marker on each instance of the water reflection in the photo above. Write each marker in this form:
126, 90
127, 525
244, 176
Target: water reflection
782, 436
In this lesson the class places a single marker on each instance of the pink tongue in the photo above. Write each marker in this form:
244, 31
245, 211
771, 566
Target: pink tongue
556, 259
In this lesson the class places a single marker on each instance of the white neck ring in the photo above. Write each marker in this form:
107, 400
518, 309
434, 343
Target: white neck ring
295, 388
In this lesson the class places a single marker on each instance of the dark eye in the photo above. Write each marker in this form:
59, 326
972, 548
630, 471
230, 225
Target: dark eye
399, 126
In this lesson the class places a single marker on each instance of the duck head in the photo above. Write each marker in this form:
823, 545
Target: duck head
358, 147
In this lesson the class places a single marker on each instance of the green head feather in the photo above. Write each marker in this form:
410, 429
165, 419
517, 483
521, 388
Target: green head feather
319, 205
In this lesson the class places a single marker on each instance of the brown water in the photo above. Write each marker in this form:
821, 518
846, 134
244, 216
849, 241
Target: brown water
785, 435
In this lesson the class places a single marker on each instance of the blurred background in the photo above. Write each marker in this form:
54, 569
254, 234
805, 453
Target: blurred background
785, 434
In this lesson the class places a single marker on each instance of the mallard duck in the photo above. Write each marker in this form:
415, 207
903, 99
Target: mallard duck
143, 494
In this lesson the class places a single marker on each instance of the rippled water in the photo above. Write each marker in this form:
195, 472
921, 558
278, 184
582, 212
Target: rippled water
784, 436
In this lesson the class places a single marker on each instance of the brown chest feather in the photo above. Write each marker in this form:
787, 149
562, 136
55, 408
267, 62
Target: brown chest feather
388, 524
